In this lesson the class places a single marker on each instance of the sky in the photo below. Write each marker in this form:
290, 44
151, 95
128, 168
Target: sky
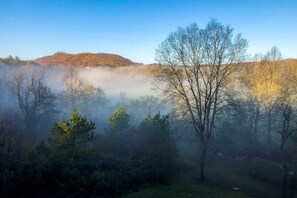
134, 28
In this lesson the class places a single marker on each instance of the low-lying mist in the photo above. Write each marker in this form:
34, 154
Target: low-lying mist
129, 86
113, 81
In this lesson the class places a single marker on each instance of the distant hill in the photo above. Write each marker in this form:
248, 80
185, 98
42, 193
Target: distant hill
290, 61
85, 60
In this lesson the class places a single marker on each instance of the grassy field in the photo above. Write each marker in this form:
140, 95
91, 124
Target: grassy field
222, 176
185, 190
228, 173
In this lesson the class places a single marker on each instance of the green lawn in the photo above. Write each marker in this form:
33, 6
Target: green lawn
229, 173
185, 190
222, 176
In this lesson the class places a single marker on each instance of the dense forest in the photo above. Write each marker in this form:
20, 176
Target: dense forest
216, 118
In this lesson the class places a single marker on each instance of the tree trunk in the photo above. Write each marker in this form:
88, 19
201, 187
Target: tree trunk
285, 169
202, 160
285, 181
269, 132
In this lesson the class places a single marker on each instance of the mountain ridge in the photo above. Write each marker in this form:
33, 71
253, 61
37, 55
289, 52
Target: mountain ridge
85, 59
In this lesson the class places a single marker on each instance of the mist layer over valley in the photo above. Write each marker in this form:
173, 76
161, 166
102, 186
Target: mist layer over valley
130, 86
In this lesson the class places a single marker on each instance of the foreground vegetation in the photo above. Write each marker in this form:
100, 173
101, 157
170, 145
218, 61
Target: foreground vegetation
76, 163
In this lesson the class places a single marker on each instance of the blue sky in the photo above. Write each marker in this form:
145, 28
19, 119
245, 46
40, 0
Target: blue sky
134, 28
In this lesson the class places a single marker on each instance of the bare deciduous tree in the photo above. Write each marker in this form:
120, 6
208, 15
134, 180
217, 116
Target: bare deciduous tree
288, 110
73, 84
197, 67
261, 82
32, 95
79, 92
270, 67
269, 84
